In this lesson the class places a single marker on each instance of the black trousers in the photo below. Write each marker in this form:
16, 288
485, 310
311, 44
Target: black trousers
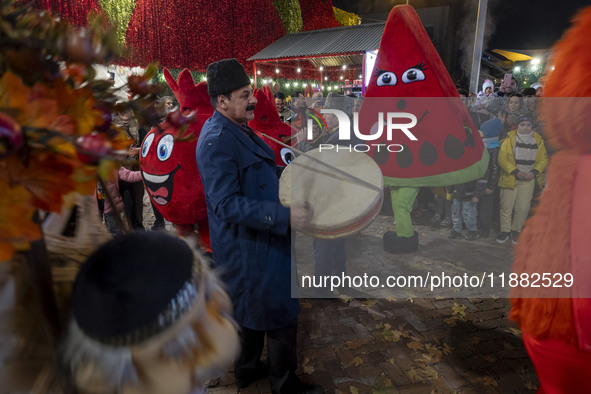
485, 214
281, 352
133, 195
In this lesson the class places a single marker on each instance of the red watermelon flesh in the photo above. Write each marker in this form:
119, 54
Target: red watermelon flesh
410, 77
266, 120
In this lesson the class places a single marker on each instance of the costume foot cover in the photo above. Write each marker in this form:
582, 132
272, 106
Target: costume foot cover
395, 244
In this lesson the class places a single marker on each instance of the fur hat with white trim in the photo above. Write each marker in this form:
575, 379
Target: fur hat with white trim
148, 317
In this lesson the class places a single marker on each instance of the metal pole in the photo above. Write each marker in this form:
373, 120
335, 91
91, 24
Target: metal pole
254, 67
363, 71
478, 43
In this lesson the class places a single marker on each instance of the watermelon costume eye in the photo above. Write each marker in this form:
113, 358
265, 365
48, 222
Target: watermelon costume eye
413, 75
386, 78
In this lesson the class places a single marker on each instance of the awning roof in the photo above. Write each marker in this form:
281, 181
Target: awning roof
319, 46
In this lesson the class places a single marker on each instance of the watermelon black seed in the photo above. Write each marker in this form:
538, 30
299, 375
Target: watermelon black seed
381, 156
453, 147
404, 158
469, 142
428, 154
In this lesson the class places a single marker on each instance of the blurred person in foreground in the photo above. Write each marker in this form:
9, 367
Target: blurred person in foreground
555, 317
148, 317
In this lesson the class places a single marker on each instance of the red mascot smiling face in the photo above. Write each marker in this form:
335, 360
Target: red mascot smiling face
169, 168
170, 175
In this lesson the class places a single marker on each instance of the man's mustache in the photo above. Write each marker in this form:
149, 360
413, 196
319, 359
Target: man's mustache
250, 108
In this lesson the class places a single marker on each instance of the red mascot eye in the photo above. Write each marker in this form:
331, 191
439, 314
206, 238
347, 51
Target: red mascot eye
164, 149
147, 143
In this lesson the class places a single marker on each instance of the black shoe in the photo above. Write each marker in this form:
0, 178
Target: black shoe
472, 235
310, 389
503, 237
261, 371
454, 234
514, 237
395, 244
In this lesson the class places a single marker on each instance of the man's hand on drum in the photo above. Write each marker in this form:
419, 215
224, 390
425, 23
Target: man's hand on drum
300, 216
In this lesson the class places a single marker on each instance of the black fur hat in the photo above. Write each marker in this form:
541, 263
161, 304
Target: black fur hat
134, 287
225, 76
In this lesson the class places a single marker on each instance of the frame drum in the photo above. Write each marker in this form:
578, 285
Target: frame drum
342, 204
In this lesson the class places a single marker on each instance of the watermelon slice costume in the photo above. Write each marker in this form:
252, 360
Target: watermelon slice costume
410, 78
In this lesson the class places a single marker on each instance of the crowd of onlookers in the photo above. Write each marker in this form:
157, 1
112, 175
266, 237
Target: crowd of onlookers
511, 131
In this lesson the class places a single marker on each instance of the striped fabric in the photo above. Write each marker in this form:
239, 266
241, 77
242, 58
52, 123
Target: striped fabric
525, 151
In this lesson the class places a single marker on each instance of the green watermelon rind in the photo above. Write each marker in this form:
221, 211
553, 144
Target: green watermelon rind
468, 174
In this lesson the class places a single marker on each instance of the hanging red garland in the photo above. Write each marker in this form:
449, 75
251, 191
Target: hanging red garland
192, 34
73, 11
318, 14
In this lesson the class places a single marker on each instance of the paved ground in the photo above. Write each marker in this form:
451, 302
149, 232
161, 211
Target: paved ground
382, 340
412, 341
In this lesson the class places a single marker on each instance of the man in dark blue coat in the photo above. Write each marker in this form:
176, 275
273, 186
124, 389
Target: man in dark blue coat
249, 231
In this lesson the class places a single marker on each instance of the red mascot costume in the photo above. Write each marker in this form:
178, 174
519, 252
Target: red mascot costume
554, 247
169, 168
266, 120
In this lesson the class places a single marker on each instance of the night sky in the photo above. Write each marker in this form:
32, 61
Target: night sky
531, 24
517, 24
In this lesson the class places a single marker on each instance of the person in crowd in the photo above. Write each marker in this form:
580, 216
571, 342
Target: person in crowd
298, 106
148, 317
109, 210
443, 205
539, 88
249, 231
285, 113
132, 193
522, 160
508, 87
329, 254
489, 131
464, 208
515, 108
478, 111
168, 103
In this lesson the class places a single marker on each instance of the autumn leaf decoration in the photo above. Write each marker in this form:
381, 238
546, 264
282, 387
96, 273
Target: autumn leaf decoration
55, 115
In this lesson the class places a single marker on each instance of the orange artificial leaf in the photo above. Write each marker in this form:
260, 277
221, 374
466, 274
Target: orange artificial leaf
43, 113
13, 92
6, 251
122, 141
75, 71
85, 178
16, 218
46, 176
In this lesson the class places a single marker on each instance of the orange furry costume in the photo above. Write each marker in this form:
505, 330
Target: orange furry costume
556, 321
